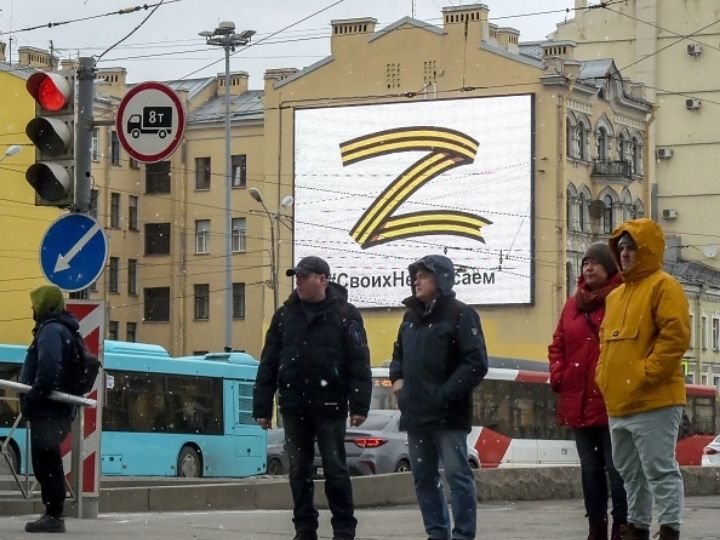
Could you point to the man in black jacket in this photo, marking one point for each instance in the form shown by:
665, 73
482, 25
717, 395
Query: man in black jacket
439, 357
49, 420
316, 356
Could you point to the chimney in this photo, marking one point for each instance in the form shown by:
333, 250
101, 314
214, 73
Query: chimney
346, 31
564, 50
471, 19
36, 58
238, 83
508, 38
111, 81
275, 75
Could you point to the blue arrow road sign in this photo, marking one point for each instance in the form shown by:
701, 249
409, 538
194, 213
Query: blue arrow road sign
73, 252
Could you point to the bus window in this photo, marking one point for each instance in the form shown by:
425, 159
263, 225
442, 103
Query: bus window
245, 403
701, 412
9, 404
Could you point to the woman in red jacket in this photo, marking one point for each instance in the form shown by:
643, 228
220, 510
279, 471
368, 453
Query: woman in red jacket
573, 355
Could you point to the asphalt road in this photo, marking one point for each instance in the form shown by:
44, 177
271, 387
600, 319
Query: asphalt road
556, 519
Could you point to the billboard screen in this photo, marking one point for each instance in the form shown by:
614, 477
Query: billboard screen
379, 186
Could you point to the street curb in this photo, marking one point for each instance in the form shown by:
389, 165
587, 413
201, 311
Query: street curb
368, 491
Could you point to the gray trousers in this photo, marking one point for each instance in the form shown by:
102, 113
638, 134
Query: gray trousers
643, 450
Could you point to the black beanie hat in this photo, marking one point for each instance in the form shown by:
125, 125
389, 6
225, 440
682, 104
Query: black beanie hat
600, 251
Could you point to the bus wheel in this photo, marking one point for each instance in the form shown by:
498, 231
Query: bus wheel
402, 466
189, 463
275, 467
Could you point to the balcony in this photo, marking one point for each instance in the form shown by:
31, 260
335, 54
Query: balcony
611, 171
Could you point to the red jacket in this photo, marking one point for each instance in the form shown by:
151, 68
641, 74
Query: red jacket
573, 356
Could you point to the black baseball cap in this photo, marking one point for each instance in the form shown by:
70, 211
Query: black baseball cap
309, 265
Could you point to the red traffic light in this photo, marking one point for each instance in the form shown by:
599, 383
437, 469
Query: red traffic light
51, 91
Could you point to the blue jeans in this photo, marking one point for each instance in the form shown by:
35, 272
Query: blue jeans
644, 454
595, 451
301, 431
426, 449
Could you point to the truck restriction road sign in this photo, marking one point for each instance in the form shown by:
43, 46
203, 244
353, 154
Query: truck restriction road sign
150, 122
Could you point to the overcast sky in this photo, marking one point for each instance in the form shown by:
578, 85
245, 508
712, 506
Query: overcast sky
173, 30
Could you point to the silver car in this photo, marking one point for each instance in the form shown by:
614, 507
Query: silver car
277, 459
711, 454
378, 446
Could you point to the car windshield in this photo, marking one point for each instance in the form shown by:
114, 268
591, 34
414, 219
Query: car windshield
375, 422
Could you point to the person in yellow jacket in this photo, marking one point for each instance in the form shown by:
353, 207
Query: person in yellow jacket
645, 332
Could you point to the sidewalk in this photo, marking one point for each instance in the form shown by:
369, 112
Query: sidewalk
555, 519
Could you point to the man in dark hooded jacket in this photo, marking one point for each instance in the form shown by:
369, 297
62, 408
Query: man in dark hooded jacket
49, 420
439, 357
316, 356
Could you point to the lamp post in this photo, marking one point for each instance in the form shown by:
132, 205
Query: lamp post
274, 218
224, 36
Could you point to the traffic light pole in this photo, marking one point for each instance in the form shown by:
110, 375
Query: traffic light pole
83, 133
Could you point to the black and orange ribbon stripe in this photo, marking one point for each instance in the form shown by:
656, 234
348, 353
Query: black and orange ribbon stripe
447, 149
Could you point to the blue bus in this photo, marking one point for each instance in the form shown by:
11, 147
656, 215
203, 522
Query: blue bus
186, 416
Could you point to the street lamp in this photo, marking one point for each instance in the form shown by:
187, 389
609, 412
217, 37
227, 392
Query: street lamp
284, 203
224, 36
11, 151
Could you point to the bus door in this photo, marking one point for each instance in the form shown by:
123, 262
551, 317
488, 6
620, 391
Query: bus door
250, 439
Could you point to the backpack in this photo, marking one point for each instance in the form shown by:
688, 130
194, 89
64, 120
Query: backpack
81, 368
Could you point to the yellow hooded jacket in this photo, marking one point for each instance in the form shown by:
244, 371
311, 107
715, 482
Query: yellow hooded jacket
646, 330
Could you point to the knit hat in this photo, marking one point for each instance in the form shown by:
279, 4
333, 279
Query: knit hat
600, 251
47, 298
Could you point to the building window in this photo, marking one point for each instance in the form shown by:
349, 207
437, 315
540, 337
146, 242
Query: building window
238, 301
202, 173
692, 331
602, 144
238, 234
637, 156
608, 217
133, 213
429, 72
113, 277
392, 75
202, 236
114, 148
95, 145
80, 295
581, 138
114, 210
157, 304
582, 224
94, 203
157, 177
239, 171
157, 239
570, 285
704, 332
132, 277
715, 334
133, 163
202, 302
131, 332
113, 330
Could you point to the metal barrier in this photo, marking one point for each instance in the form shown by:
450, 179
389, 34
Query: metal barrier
23, 483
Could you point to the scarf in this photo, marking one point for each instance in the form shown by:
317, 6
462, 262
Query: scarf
588, 300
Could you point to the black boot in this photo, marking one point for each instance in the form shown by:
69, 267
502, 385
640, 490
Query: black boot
634, 533
598, 528
46, 524
618, 529
668, 533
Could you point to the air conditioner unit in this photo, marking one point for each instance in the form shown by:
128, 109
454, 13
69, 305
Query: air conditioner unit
664, 153
693, 103
694, 49
670, 213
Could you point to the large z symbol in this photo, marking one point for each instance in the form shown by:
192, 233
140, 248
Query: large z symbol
447, 149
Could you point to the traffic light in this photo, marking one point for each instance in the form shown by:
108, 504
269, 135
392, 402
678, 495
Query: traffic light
52, 131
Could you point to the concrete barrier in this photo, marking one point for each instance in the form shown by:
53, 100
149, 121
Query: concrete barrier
369, 491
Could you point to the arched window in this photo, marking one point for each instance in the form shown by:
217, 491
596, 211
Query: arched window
638, 209
570, 285
608, 214
637, 156
570, 206
582, 221
581, 141
622, 146
602, 144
